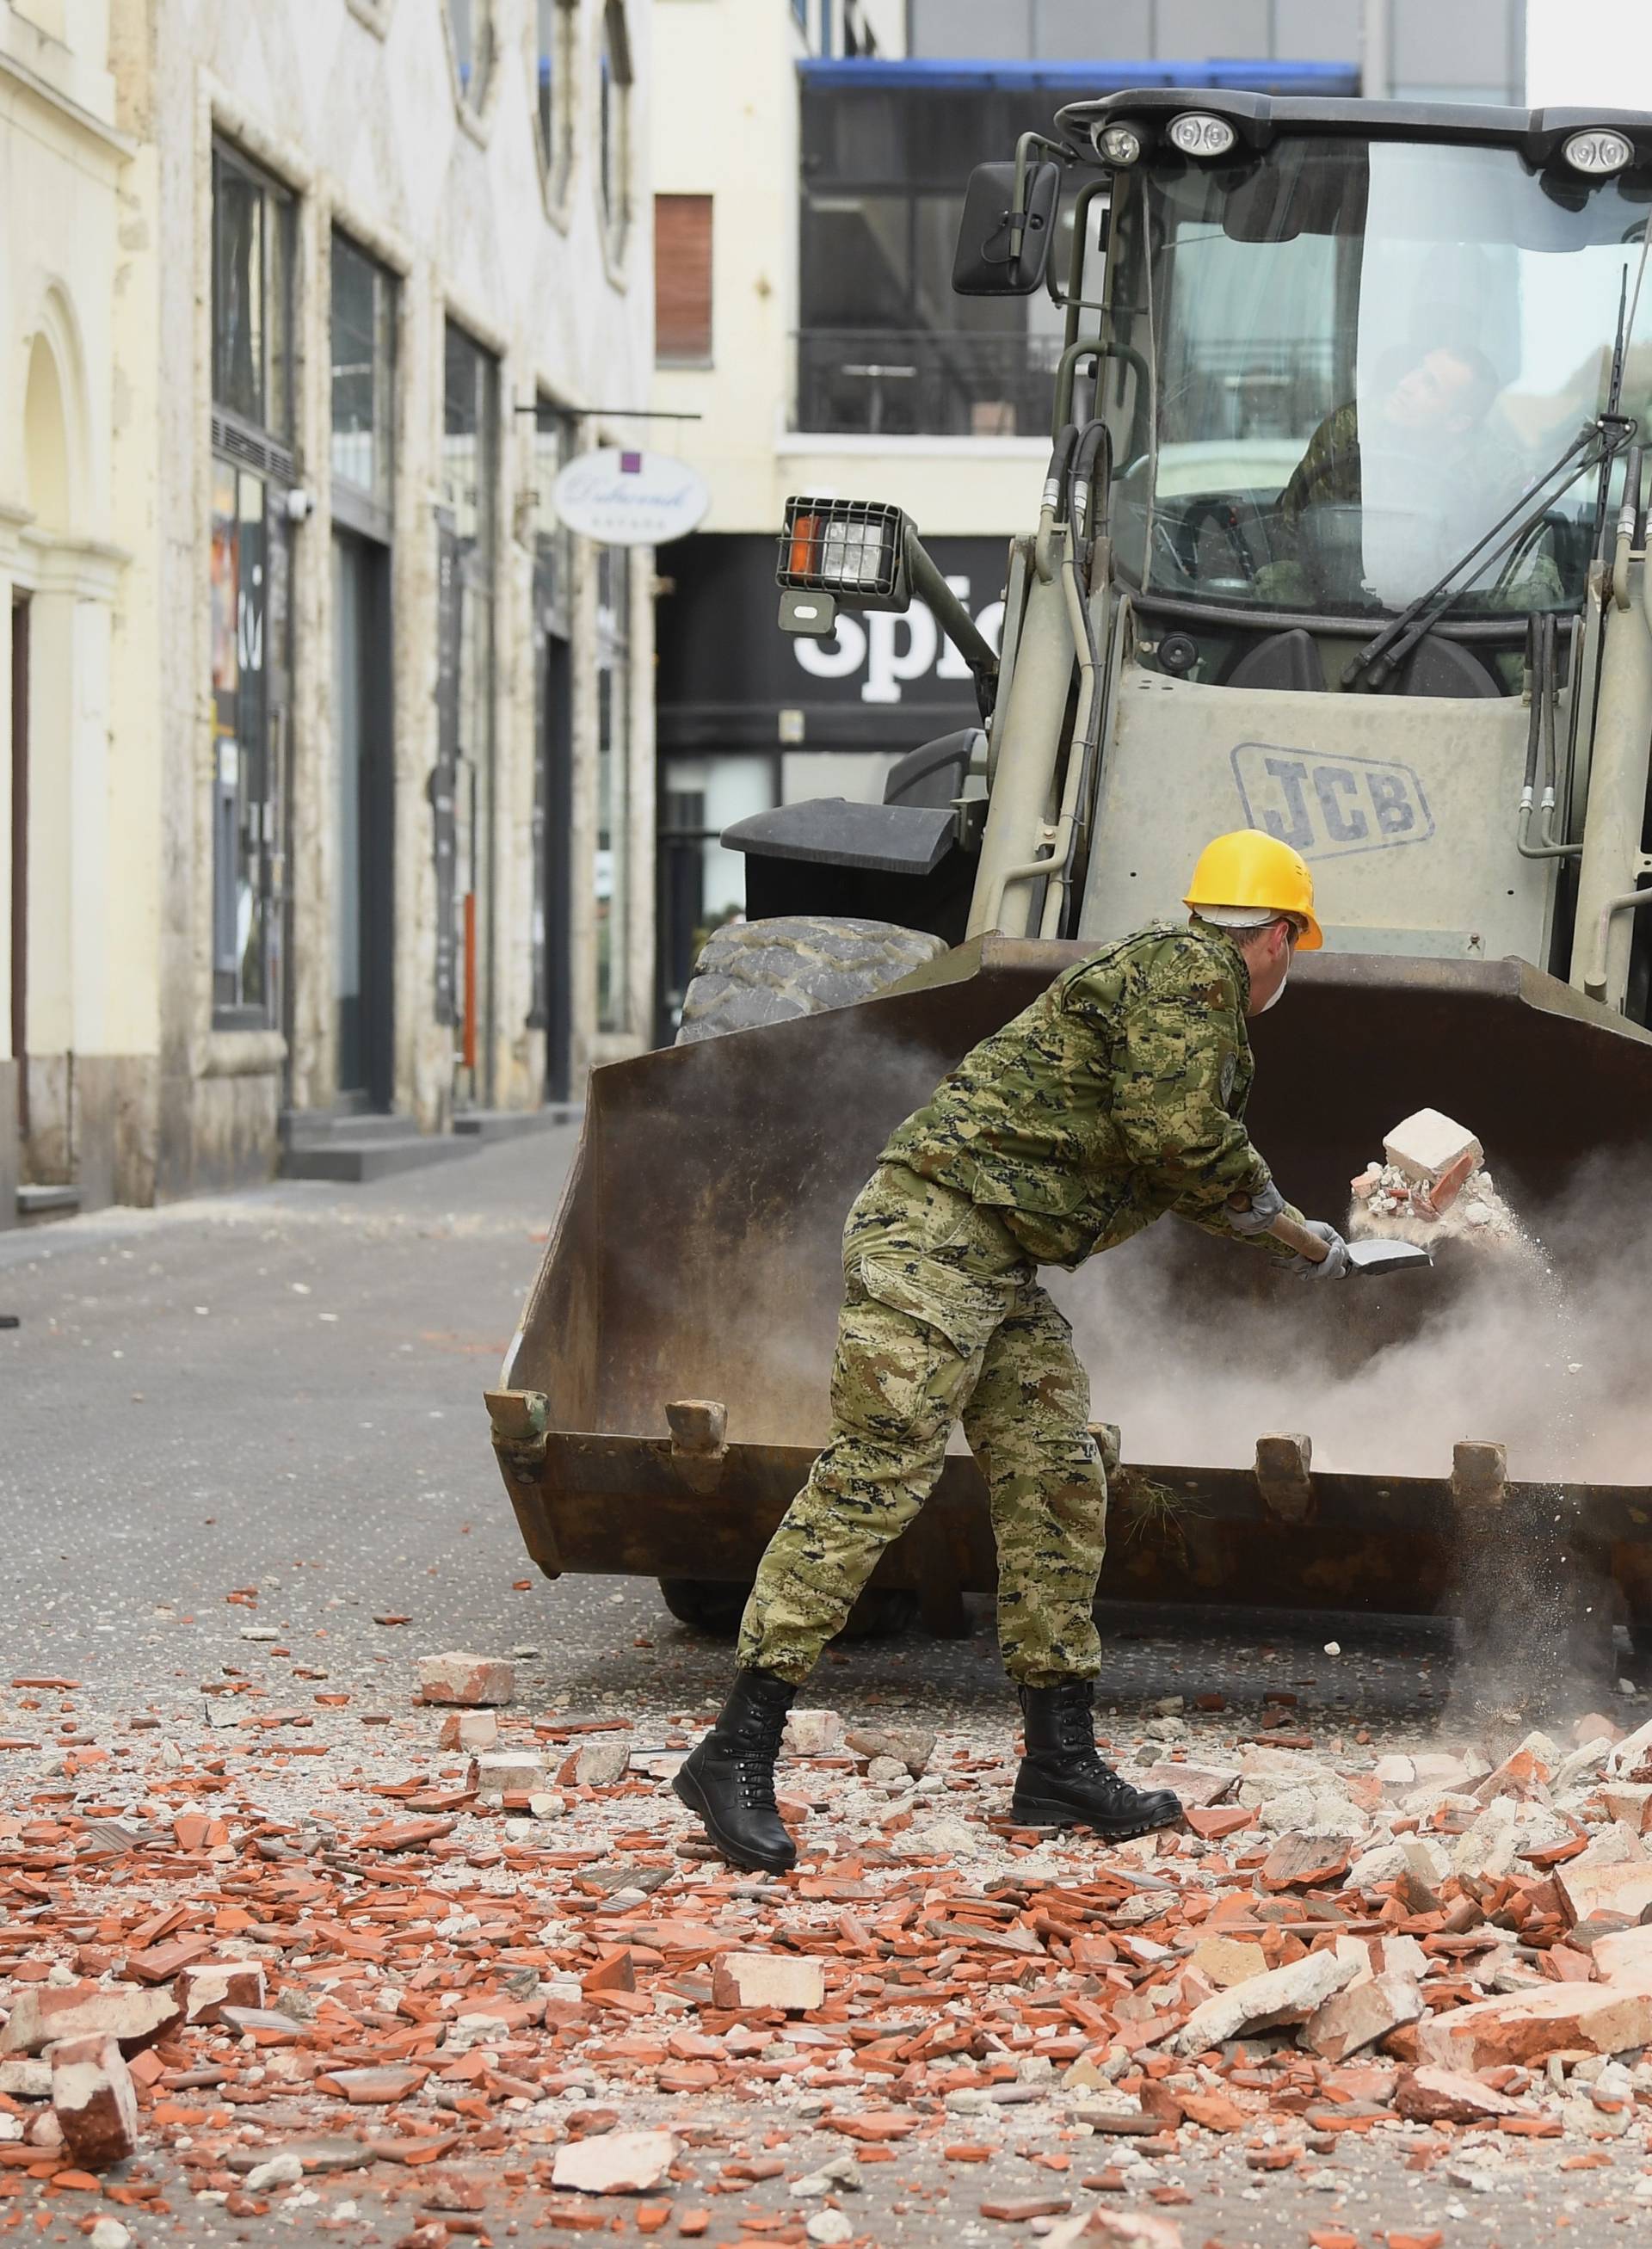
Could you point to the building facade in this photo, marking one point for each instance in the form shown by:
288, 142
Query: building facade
376, 828
812, 196
76, 1011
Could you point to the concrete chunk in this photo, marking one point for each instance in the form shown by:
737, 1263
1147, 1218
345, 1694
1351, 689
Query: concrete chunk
1350, 2020
1429, 2096
615, 2163
469, 1730
1624, 1956
1283, 1995
1428, 1143
206, 1985
516, 1772
1225, 1961
814, 1733
601, 1761
43, 2013
1587, 1890
768, 1979
94, 2102
912, 1746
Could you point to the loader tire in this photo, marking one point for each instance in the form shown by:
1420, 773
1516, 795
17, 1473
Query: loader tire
714, 1606
752, 972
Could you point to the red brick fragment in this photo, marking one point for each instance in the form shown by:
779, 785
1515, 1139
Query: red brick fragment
94, 2102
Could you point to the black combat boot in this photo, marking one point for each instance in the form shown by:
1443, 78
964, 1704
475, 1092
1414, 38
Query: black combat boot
729, 1779
1063, 1781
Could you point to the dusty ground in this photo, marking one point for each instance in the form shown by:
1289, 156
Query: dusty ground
276, 1399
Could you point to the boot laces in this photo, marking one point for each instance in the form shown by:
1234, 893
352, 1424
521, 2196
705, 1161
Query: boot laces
752, 1752
1075, 1740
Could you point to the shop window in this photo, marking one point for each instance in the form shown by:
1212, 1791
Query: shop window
363, 326
614, 127
248, 672
252, 360
557, 24
613, 897
682, 280
470, 28
463, 793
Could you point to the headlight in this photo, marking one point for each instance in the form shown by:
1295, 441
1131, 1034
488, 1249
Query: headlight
1118, 144
855, 550
1197, 133
1598, 152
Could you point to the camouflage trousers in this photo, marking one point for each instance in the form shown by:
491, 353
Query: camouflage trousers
943, 1315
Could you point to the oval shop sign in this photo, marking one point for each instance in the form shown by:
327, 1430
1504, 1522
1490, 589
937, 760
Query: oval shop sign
630, 499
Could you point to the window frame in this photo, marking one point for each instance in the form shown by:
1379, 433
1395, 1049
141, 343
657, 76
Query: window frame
614, 80
557, 163
275, 195
475, 108
361, 507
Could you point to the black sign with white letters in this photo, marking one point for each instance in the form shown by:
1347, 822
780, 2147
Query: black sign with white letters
729, 678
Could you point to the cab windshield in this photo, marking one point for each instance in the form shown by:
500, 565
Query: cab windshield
1330, 369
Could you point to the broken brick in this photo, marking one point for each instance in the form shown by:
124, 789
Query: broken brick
470, 1679
615, 2163
768, 1979
94, 2102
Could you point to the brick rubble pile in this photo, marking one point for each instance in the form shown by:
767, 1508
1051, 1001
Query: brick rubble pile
522, 1956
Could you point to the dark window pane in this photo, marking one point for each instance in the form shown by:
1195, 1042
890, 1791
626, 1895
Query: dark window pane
363, 370
237, 293
252, 297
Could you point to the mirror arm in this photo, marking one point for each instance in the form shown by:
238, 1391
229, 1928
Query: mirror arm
1029, 141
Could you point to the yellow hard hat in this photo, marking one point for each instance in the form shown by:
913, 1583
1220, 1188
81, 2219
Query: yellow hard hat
1250, 869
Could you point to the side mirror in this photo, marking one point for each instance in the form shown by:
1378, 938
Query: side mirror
1000, 255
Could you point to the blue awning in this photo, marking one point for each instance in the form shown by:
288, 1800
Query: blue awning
1076, 81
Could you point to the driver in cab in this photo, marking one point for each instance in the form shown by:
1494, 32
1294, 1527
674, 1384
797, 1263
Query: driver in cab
1418, 463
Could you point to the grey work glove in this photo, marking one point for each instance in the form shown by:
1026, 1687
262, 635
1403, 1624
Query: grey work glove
1265, 1208
1333, 1267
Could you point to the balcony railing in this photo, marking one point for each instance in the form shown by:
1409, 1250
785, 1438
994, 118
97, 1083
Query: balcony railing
884, 382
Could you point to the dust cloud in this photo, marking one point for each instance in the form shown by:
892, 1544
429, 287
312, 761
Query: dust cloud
1537, 1340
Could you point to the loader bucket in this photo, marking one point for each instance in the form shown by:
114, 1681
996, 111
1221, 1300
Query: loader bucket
694, 1265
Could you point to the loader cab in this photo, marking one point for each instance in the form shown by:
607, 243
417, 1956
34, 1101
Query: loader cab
1335, 344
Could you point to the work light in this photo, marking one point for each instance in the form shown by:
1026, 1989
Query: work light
853, 549
1598, 152
1118, 144
1198, 133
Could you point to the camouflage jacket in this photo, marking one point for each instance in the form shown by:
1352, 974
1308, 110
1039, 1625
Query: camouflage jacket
1329, 471
1119, 1094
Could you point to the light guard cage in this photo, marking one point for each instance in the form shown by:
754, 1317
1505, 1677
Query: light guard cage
854, 550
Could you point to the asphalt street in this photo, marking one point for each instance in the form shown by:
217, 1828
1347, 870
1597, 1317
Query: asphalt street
282, 1391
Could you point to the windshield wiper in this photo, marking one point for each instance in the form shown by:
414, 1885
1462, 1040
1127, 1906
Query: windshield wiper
1375, 664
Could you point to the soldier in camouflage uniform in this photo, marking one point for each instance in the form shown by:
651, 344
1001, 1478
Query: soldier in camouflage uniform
1428, 427
1117, 1096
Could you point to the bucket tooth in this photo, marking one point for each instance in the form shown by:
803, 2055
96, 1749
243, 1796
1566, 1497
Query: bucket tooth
699, 1439
1479, 1473
1285, 1478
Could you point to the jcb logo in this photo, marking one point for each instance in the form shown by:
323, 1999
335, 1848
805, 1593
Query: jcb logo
1330, 807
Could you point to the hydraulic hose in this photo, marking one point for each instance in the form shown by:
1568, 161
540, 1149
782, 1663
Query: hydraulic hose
1051, 510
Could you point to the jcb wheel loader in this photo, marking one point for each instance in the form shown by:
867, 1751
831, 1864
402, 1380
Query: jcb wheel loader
1342, 538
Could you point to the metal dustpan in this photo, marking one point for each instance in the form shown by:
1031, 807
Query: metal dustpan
1374, 1257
